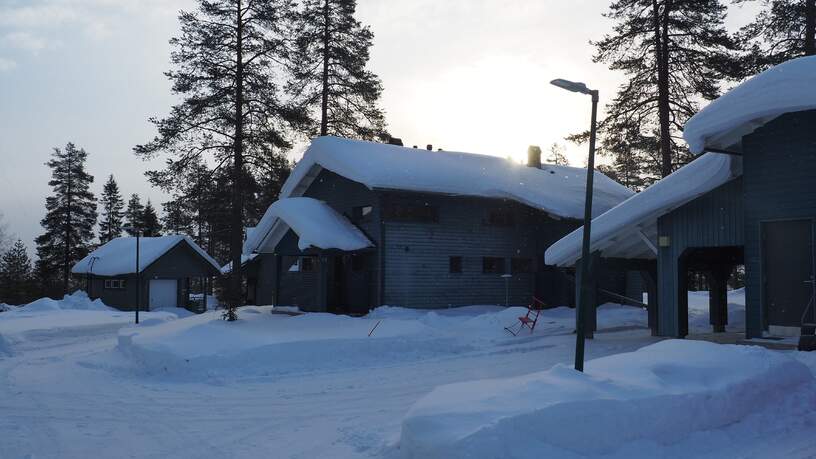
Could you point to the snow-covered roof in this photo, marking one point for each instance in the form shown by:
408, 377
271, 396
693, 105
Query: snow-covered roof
557, 190
630, 229
227, 268
785, 88
118, 256
316, 224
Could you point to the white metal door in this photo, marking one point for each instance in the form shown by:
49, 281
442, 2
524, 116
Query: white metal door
163, 293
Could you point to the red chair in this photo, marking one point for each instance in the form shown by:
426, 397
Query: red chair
528, 320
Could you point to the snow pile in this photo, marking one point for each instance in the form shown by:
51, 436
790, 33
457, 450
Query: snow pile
656, 396
7, 307
558, 190
118, 256
54, 321
318, 225
619, 232
786, 88
77, 301
264, 342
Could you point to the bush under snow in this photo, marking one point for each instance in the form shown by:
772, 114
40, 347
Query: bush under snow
657, 395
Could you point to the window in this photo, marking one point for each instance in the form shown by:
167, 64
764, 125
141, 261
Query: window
412, 212
302, 264
521, 265
455, 265
361, 214
501, 217
307, 264
492, 265
114, 284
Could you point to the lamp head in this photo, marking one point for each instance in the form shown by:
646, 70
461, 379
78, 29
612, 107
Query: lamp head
571, 86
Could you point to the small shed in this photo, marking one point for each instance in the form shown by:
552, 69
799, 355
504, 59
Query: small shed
171, 268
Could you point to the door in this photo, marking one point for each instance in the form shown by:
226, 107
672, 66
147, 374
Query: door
787, 268
163, 293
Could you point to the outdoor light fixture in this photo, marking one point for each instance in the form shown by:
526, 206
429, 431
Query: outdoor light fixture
571, 86
134, 230
583, 293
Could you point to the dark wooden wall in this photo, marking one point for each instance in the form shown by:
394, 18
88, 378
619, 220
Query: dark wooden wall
779, 184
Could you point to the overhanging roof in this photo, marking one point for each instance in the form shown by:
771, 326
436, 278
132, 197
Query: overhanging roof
629, 230
316, 224
785, 88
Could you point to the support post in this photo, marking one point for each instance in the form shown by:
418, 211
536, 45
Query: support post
718, 298
650, 279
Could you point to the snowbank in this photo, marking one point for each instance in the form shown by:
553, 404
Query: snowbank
52, 321
266, 341
263, 343
658, 395
77, 301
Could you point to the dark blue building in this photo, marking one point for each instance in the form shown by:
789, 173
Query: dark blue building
362, 224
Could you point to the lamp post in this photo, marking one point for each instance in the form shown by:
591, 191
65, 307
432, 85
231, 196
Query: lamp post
583, 293
133, 230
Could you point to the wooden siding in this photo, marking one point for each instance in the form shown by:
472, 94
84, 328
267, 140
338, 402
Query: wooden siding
780, 184
300, 289
712, 220
417, 254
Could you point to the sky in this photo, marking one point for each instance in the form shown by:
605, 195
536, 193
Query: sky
464, 75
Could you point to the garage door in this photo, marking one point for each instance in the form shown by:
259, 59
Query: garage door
787, 267
163, 293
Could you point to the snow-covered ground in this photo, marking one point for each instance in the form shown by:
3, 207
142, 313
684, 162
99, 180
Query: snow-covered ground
80, 383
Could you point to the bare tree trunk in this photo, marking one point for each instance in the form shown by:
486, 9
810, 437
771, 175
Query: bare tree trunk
237, 226
324, 109
810, 27
661, 24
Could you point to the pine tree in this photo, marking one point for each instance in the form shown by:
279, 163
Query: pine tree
15, 275
133, 215
177, 218
783, 30
112, 204
557, 155
674, 53
149, 221
330, 76
70, 218
228, 76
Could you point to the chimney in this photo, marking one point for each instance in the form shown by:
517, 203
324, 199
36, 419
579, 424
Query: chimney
429, 147
395, 141
534, 156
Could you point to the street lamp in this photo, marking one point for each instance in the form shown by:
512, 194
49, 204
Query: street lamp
133, 230
583, 292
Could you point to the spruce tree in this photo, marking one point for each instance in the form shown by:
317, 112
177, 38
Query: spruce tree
5, 239
330, 76
783, 30
112, 204
228, 75
15, 275
70, 217
149, 221
133, 215
673, 53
